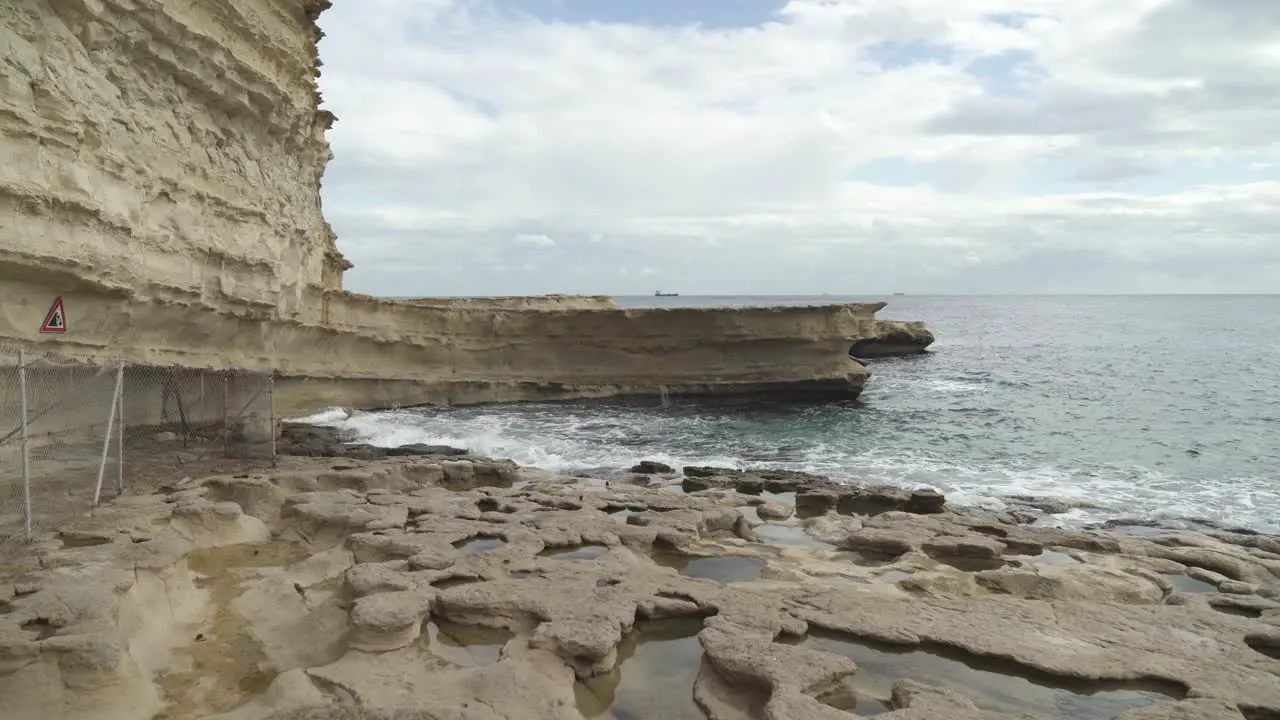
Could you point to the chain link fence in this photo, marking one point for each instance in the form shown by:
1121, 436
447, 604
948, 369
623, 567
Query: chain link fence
75, 432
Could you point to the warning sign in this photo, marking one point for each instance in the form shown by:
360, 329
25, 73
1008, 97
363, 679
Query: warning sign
56, 320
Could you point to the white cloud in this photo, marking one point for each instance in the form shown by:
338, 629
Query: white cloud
536, 241
789, 158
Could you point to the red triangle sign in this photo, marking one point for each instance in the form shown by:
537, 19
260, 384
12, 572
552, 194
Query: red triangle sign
56, 320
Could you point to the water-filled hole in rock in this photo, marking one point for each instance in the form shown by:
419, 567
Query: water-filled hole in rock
850, 700
970, 564
465, 645
581, 552
722, 568
479, 544
1048, 557
228, 665
658, 662
991, 683
788, 535
1188, 584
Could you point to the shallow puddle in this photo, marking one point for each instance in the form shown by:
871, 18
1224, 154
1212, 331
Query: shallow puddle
218, 560
1188, 584
970, 564
1048, 557
465, 645
582, 552
225, 662
791, 535
786, 498
658, 663
855, 703
722, 568
992, 684
479, 544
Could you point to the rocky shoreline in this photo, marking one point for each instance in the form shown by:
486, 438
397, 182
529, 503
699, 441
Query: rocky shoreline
426, 583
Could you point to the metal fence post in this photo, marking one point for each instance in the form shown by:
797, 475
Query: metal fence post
120, 431
26, 462
226, 413
271, 398
106, 439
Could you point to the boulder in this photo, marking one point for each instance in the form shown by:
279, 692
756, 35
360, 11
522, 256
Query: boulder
926, 502
649, 467
773, 511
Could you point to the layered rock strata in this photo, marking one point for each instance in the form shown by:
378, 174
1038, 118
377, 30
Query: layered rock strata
439, 586
161, 174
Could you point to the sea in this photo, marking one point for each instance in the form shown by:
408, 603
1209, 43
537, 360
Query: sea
1151, 408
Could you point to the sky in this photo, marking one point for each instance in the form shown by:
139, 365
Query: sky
505, 147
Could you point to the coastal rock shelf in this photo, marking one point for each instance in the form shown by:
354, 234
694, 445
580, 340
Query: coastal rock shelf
161, 174
337, 587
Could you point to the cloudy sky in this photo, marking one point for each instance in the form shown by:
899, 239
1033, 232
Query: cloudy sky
804, 147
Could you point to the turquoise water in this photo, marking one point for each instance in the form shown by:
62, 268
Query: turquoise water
1148, 406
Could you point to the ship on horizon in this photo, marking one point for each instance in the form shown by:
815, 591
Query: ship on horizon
659, 293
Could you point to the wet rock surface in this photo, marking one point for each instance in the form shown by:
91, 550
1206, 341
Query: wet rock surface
442, 586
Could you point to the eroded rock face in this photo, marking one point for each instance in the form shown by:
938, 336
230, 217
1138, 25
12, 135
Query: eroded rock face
336, 612
893, 337
217, 111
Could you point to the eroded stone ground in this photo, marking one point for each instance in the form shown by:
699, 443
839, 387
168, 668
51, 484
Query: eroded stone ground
436, 587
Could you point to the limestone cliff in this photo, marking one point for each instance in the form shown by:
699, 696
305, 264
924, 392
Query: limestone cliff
161, 173
165, 149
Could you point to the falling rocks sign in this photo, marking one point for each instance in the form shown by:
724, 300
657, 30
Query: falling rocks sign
56, 320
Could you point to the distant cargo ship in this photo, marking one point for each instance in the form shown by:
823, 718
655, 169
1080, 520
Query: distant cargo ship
659, 293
